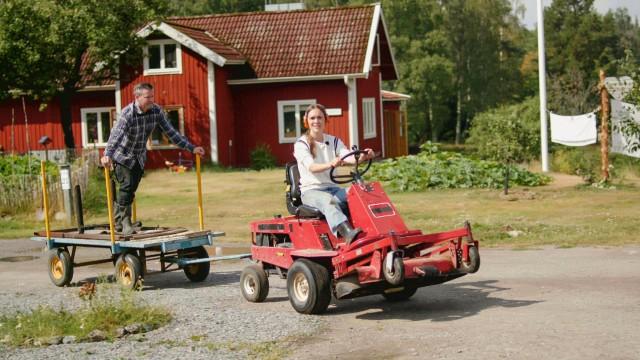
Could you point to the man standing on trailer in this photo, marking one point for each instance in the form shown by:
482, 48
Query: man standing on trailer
126, 150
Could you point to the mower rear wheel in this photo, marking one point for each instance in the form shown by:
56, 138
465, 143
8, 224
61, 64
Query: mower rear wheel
196, 272
254, 283
473, 264
402, 295
60, 267
309, 287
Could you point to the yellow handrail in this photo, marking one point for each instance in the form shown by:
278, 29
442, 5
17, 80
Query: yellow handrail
200, 210
107, 181
45, 200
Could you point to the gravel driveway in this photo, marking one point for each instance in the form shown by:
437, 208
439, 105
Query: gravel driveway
581, 303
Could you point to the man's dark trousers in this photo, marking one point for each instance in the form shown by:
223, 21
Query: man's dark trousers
129, 179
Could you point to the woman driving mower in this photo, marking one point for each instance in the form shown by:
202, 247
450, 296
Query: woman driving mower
317, 153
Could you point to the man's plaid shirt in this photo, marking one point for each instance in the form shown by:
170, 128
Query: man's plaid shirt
128, 139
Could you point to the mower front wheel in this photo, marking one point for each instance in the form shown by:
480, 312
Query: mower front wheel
473, 264
401, 295
309, 287
254, 283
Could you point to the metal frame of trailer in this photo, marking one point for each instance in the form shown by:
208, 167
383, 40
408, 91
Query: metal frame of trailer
175, 249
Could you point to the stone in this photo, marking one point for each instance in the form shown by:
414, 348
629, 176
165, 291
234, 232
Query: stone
147, 327
133, 328
121, 332
70, 339
53, 340
6, 339
96, 335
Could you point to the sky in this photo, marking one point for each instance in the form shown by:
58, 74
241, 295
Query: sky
602, 6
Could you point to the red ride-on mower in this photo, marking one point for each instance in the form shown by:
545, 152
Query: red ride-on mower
386, 258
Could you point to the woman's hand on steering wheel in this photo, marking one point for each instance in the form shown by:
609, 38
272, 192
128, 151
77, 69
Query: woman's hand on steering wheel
356, 174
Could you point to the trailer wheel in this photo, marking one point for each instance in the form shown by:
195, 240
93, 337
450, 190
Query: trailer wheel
396, 275
474, 261
402, 295
254, 283
129, 271
60, 267
309, 287
196, 272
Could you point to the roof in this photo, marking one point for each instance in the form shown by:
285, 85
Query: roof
283, 44
393, 96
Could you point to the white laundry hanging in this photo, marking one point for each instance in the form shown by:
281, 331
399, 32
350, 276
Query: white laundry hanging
621, 111
578, 130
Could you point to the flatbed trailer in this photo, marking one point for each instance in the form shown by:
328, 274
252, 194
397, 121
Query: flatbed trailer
175, 249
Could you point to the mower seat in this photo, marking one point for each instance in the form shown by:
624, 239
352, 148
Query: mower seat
294, 198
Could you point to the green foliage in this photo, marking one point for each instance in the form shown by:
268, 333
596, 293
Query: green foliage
262, 157
23, 165
586, 162
509, 133
94, 200
582, 161
106, 312
440, 170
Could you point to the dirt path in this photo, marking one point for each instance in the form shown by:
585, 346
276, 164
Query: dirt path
581, 303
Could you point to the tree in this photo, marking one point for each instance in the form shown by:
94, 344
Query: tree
53, 48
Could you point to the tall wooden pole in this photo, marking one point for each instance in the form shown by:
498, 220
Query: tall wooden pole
604, 127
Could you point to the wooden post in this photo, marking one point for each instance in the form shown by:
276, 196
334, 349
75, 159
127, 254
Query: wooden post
604, 128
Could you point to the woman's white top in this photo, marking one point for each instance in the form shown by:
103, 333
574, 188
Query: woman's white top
326, 151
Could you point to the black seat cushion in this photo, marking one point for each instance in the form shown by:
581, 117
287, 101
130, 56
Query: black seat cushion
294, 198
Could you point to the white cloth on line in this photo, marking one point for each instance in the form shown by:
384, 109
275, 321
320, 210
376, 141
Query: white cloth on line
621, 111
578, 130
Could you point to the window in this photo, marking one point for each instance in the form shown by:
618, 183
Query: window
96, 126
291, 119
369, 117
175, 116
162, 57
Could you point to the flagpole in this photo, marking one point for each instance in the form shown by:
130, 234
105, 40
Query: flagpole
544, 158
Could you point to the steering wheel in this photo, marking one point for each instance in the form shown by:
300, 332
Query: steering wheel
353, 175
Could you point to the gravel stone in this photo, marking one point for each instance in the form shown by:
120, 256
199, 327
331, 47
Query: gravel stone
211, 319
70, 339
133, 328
96, 335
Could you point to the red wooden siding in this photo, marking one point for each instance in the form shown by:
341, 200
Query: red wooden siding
225, 118
256, 114
188, 90
369, 88
46, 122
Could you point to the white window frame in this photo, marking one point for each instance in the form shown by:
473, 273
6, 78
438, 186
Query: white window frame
83, 125
369, 118
163, 70
297, 103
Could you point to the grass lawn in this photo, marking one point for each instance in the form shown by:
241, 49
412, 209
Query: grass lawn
561, 214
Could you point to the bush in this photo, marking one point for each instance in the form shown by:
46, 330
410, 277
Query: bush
262, 157
509, 133
434, 169
586, 162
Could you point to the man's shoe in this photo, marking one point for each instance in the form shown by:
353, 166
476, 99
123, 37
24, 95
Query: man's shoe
347, 232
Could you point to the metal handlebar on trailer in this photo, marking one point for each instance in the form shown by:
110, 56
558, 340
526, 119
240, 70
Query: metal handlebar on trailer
200, 209
107, 181
45, 199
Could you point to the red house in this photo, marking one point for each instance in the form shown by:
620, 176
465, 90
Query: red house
232, 82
